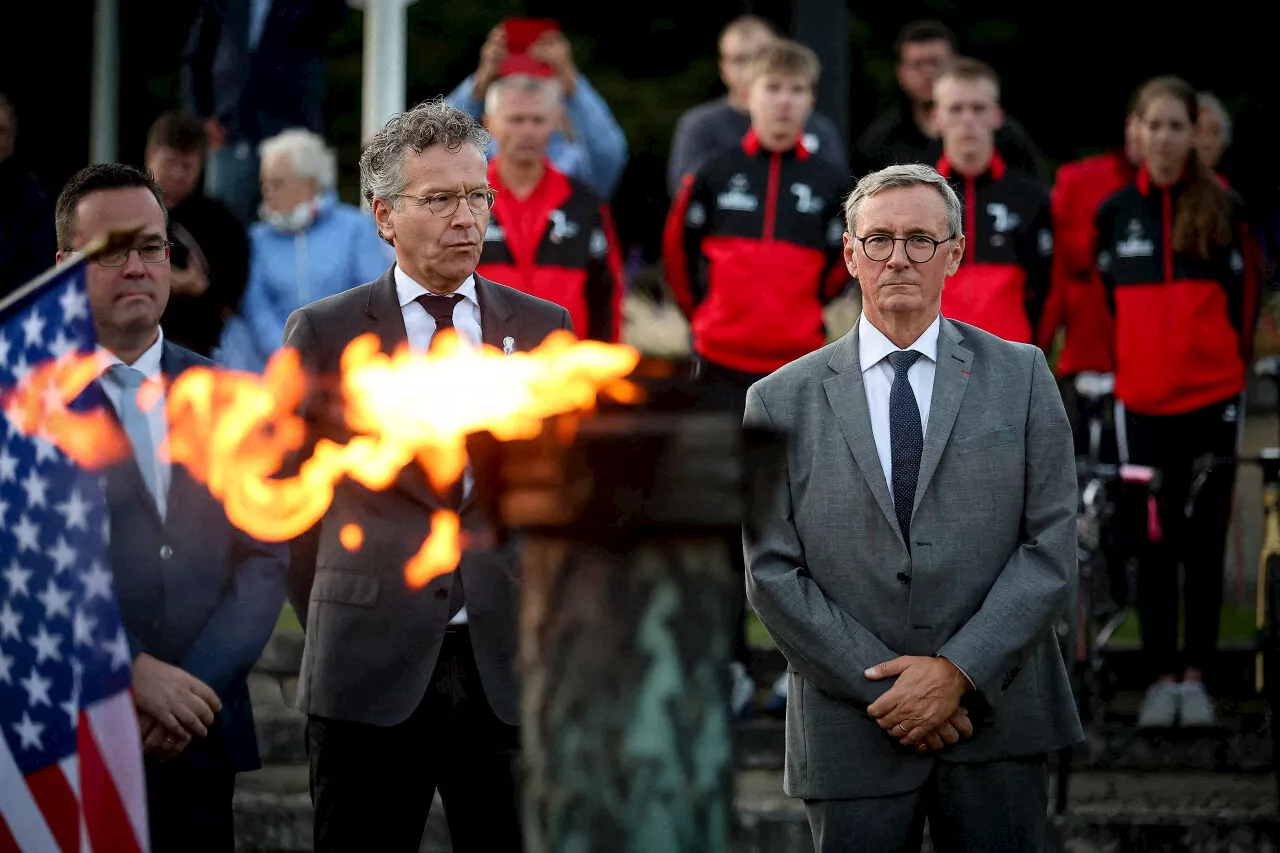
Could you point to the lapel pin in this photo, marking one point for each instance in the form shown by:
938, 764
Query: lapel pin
508, 345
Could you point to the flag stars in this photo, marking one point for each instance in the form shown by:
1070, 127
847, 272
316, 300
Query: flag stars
72, 708
8, 466
29, 732
33, 329
62, 555
37, 489
61, 346
5, 346
37, 688
15, 578
56, 601
97, 582
74, 511
74, 304
118, 648
82, 628
27, 534
6, 669
10, 622
46, 646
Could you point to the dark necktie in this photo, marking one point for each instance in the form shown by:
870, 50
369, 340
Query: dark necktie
906, 440
441, 310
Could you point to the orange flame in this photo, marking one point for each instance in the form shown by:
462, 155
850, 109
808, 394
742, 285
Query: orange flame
351, 536
234, 430
38, 406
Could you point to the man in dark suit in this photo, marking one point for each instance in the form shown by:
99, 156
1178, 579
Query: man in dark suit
921, 550
252, 68
199, 598
412, 690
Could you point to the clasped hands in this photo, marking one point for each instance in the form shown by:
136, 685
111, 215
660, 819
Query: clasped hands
922, 708
173, 706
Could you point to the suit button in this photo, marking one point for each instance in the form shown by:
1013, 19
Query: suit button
904, 578
165, 552
441, 592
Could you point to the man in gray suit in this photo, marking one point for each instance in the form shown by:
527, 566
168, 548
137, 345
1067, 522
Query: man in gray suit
921, 546
411, 690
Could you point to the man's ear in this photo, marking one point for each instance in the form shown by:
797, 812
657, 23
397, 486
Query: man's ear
850, 255
955, 254
382, 217
997, 120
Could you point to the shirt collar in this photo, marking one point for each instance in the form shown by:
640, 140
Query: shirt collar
407, 290
873, 346
148, 364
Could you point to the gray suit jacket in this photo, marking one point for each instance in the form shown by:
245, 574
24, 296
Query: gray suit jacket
992, 561
372, 642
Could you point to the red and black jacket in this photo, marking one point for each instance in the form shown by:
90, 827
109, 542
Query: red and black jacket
1004, 278
1077, 302
558, 244
1182, 324
753, 250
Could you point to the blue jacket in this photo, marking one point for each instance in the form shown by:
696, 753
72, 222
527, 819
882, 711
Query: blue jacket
596, 156
194, 591
340, 250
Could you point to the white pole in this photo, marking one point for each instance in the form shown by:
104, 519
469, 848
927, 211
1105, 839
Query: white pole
383, 85
105, 109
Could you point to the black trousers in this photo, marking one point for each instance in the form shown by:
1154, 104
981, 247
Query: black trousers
996, 806
1172, 443
1081, 413
726, 389
372, 786
189, 808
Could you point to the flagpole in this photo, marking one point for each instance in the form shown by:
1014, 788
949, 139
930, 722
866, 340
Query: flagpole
110, 242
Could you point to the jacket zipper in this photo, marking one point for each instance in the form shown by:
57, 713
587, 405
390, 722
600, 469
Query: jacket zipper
1166, 204
771, 195
970, 220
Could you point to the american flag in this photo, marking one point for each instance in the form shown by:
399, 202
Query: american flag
71, 775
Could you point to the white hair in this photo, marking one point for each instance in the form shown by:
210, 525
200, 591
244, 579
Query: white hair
903, 177
549, 87
310, 157
1209, 101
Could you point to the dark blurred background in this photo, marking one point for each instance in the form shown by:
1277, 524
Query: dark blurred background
1067, 72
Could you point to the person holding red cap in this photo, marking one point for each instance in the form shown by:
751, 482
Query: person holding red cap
591, 145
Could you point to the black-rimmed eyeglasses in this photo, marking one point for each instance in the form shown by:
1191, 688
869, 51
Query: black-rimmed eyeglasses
479, 202
920, 247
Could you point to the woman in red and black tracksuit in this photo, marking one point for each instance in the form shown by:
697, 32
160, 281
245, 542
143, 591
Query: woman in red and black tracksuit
1171, 255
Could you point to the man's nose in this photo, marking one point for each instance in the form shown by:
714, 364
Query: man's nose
898, 260
462, 217
134, 267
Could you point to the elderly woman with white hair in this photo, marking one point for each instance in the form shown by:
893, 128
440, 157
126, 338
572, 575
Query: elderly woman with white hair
306, 245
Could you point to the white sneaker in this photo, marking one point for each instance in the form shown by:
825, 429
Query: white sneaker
1160, 706
1196, 709
742, 692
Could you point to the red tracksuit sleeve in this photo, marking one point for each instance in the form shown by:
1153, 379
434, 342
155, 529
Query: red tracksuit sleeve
682, 244
605, 281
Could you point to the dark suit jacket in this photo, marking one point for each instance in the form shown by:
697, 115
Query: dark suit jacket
372, 642
257, 94
194, 591
991, 567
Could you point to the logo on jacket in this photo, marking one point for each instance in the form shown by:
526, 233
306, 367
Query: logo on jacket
696, 215
495, 234
1236, 261
1002, 218
561, 227
811, 142
737, 197
598, 244
1044, 242
1136, 245
806, 201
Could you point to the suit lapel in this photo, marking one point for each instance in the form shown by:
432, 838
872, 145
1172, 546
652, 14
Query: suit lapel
848, 398
950, 379
382, 314
495, 316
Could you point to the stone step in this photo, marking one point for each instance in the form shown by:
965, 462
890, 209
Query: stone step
281, 734
283, 654
1194, 812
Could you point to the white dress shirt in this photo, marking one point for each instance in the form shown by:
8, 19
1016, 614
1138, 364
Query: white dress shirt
148, 364
877, 379
419, 327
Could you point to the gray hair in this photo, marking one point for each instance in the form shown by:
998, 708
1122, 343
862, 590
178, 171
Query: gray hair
430, 123
310, 157
1209, 101
548, 87
902, 177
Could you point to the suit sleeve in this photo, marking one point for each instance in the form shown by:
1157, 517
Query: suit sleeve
236, 633
835, 277
1037, 581
605, 282
822, 642
1101, 254
196, 62
686, 150
1035, 250
299, 334
687, 225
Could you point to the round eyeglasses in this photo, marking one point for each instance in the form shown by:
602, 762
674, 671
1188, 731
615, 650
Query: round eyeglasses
479, 202
920, 247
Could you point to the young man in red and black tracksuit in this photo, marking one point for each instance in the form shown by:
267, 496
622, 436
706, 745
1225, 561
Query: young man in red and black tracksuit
1174, 260
753, 250
1077, 303
1004, 278
549, 235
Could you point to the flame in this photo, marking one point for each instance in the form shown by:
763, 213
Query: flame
351, 536
234, 431
38, 406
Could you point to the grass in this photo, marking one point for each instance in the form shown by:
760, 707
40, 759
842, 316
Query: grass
288, 620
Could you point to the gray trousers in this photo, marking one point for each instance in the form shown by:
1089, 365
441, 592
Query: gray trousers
998, 806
